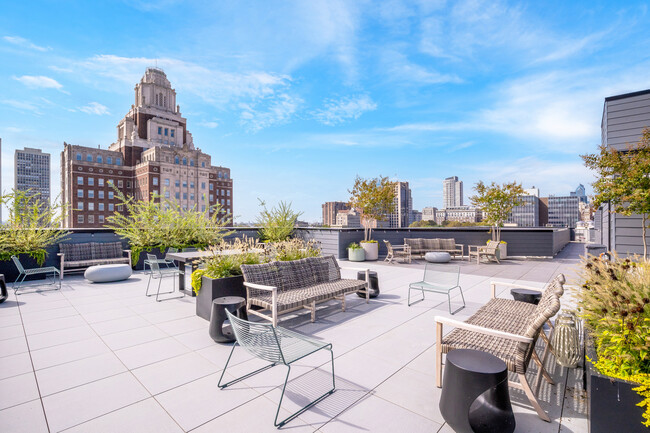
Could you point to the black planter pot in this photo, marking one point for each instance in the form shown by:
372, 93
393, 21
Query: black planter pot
216, 288
8, 268
612, 403
139, 266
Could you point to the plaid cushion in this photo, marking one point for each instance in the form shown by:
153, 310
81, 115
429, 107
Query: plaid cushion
74, 252
106, 250
431, 244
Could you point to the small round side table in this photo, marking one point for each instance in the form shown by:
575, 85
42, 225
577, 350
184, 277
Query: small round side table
374, 283
475, 396
234, 304
525, 295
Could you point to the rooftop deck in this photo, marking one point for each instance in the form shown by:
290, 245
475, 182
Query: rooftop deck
105, 358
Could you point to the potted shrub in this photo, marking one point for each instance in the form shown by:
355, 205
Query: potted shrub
278, 223
220, 274
31, 229
614, 302
374, 198
356, 253
497, 202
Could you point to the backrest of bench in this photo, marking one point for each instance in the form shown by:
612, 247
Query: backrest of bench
431, 244
442, 275
414, 243
76, 252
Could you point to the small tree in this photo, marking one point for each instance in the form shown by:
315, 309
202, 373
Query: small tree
496, 201
278, 223
375, 198
624, 180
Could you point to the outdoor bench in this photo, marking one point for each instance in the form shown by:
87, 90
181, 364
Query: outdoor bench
509, 330
420, 246
282, 287
82, 255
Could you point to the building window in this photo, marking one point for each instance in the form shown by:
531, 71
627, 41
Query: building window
80, 205
91, 206
160, 130
91, 219
178, 183
184, 196
166, 194
100, 219
166, 182
78, 157
178, 195
100, 194
172, 132
91, 193
192, 185
100, 207
202, 185
184, 161
225, 175
118, 161
120, 207
228, 201
80, 219
184, 184
192, 197
223, 192
176, 160
109, 160
166, 132
111, 206
202, 208
211, 197
120, 184
191, 163
100, 181
211, 187
228, 192
89, 158
80, 180
155, 181
80, 193
91, 181
203, 164
99, 159
128, 184
110, 195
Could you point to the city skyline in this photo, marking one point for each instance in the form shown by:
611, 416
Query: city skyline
297, 98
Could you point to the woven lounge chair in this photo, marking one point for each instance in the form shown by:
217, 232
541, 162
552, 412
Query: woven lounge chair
402, 252
489, 251
505, 331
278, 346
24, 273
438, 279
159, 273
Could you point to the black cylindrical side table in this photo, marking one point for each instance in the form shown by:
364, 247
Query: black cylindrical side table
3, 289
475, 395
525, 295
374, 283
234, 304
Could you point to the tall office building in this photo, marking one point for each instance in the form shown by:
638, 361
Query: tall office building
154, 154
330, 209
403, 205
452, 192
563, 211
580, 192
429, 214
32, 173
526, 213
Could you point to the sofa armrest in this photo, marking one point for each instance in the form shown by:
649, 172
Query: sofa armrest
274, 298
128, 254
494, 284
260, 287
350, 268
481, 330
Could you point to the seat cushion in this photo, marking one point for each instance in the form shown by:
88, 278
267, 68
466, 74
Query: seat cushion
74, 252
106, 250
506, 350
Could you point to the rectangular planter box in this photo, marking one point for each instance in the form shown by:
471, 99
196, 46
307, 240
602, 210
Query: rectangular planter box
215, 288
612, 403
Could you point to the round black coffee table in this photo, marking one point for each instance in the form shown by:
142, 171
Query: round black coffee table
475, 395
3, 289
234, 304
374, 283
526, 295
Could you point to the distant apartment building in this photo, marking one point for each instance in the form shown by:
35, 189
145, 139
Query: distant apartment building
563, 211
429, 213
526, 213
32, 173
331, 209
465, 214
154, 155
403, 205
452, 192
347, 219
580, 192
415, 216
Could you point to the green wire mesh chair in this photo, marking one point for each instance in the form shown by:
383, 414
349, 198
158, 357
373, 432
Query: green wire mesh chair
159, 273
438, 279
24, 273
277, 346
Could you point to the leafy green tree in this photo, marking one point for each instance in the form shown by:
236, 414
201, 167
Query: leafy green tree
374, 197
278, 223
423, 223
497, 202
624, 180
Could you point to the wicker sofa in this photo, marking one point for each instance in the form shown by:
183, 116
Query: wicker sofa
420, 246
282, 287
509, 330
75, 257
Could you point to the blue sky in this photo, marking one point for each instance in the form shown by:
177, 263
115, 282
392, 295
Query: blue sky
297, 98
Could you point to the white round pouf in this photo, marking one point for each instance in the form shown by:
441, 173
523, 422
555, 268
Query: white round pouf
108, 273
437, 257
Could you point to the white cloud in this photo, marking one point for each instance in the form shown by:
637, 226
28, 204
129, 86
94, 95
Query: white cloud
338, 111
273, 111
39, 82
210, 124
95, 108
399, 68
22, 105
25, 43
